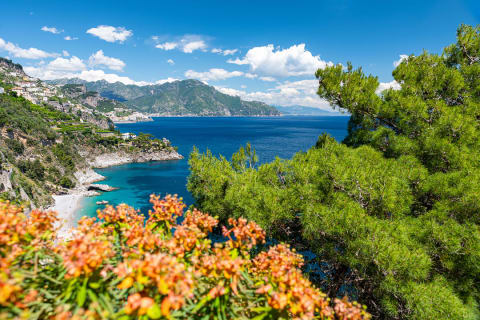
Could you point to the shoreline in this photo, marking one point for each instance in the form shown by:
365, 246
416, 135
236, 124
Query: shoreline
68, 205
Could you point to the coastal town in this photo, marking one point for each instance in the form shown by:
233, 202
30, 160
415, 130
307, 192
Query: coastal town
68, 98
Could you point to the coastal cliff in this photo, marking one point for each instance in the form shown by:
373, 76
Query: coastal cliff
121, 157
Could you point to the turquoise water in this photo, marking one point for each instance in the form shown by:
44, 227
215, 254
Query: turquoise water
270, 136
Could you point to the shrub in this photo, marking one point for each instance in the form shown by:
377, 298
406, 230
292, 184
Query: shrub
15, 145
123, 267
66, 182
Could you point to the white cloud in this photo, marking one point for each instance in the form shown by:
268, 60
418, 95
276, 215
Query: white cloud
51, 30
187, 44
224, 52
191, 46
268, 79
243, 86
162, 81
397, 62
294, 61
75, 68
301, 92
63, 64
99, 59
58, 68
167, 45
31, 53
111, 34
65, 53
229, 52
388, 85
214, 74
250, 75
170, 62
68, 38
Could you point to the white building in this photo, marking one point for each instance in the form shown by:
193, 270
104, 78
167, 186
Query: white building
128, 135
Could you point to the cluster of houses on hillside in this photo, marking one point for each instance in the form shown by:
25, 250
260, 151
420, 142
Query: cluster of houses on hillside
33, 90
122, 115
70, 98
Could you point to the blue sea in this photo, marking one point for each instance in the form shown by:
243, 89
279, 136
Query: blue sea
270, 136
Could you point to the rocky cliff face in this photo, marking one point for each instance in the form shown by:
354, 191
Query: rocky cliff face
122, 157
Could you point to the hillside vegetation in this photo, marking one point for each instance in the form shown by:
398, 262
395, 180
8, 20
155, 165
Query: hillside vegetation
41, 149
186, 97
392, 213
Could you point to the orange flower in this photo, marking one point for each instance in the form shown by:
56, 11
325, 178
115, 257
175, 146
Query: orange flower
139, 304
246, 234
84, 254
167, 209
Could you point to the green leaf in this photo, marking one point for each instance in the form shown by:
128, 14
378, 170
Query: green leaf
154, 312
92, 295
82, 293
94, 285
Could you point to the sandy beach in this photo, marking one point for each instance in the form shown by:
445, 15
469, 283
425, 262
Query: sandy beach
66, 206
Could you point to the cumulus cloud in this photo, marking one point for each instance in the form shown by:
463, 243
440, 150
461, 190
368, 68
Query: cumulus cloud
301, 92
111, 34
63, 64
388, 85
31, 53
293, 61
170, 62
99, 59
51, 30
162, 81
214, 74
269, 79
224, 52
65, 53
397, 62
76, 68
187, 44
58, 68
68, 38
167, 46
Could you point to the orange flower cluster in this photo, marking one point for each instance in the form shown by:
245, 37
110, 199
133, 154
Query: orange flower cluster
204, 222
87, 251
222, 265
165, 210
170, 278
121, 266
20, 235
16, 229
285, 286
246, 234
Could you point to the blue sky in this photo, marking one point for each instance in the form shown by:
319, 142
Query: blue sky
260, 50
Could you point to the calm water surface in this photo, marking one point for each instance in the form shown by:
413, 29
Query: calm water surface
270, 136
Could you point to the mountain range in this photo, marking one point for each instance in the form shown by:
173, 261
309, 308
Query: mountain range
306, 111
178, 98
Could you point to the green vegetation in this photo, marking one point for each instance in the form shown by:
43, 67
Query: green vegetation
392, 212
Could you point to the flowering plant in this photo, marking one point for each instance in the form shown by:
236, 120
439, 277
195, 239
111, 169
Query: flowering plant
121, 266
